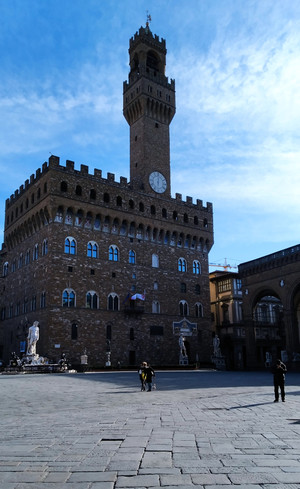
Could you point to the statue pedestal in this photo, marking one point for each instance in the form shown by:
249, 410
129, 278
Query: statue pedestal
84, 359
108, 362
183, 359
220, 362
33, 360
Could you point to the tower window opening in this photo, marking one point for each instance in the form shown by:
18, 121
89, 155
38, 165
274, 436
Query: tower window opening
152, 61
78, 190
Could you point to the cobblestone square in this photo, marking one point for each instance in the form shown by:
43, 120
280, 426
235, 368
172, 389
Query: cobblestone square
199, 429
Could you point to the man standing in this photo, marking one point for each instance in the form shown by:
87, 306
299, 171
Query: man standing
149, 372
279, 371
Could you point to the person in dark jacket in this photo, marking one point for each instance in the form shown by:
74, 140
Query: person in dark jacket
149, 372
279, 371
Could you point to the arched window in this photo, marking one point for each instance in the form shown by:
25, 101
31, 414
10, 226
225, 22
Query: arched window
64, 187
155, 261
155, 307
70, 246
92, 300
43, 300
20, 263
131, 204
196, 220
14, 265
45, 247
27, 257
35, 252
78, 190
205, 223
183, 308
92, 249
175, 215
106, 198
113, 302
155, 286
197, 289
141, 207
196, 267
182, 265
33, 303
131, 334
93, 194
113, 253
5, 269
153, 210
198, 310
132, 257
68, 298
164, 213
185, 217
74, 331
119, 201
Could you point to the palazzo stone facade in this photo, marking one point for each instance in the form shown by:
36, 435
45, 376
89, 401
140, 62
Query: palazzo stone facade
114, 269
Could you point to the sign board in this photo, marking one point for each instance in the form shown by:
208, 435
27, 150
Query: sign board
184, 327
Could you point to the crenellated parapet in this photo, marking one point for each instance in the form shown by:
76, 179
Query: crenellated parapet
95, 177
145, 35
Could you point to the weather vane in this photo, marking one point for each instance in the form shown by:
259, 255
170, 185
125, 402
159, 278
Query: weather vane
148, 19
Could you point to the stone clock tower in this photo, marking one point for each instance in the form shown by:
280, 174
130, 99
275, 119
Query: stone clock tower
149, 107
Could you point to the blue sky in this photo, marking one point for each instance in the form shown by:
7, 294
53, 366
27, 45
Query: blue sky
235, 139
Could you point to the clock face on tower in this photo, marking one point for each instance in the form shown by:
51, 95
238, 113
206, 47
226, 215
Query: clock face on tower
157, 182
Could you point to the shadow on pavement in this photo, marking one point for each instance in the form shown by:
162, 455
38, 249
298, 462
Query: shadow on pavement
190, 379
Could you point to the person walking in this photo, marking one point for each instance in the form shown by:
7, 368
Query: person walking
279, 371
149, 372
142, 375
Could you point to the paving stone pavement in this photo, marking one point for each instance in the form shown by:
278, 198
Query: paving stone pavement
197, 430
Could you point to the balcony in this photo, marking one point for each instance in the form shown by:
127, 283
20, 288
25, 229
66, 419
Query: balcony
133, 310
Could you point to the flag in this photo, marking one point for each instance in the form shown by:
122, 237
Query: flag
142, 297
126, 298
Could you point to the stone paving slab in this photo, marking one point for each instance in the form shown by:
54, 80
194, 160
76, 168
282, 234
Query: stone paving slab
199, 430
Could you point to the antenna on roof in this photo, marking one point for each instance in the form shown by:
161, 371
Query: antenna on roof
148, 19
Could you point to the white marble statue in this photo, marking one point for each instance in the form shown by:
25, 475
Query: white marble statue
216, 344
32, 338
182, 346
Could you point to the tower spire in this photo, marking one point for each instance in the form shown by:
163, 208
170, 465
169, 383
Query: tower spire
148, 19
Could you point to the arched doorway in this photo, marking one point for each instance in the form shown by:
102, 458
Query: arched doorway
269, 328
295, 308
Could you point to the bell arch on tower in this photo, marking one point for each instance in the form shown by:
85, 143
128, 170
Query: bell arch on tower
153, 61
